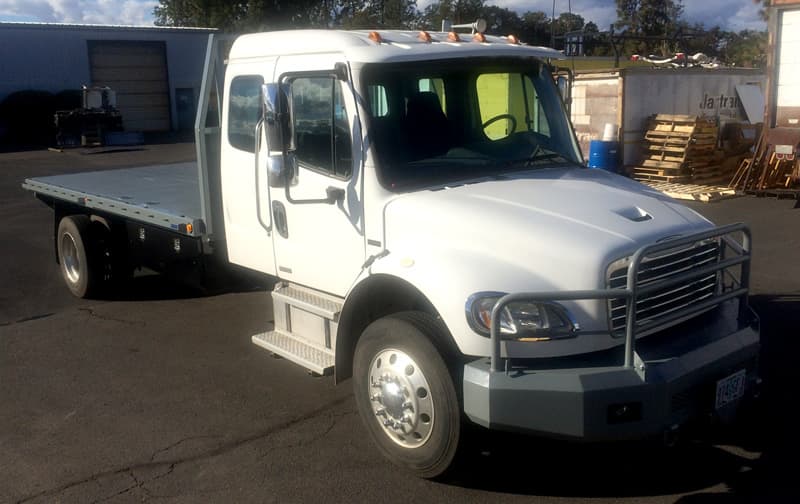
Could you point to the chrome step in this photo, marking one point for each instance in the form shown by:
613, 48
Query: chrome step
312, 357
309, 300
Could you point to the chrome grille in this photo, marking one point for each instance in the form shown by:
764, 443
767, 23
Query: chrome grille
661, 302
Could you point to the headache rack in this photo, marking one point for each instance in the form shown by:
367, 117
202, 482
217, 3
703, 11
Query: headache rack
659, 285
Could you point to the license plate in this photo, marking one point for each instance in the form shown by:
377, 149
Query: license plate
730, 388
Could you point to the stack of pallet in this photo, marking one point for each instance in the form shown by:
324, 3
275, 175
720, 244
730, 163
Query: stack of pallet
678, 149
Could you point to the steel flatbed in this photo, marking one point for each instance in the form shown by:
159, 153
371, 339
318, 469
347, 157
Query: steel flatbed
166, 196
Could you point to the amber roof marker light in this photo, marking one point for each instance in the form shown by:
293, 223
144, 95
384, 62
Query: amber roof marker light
375, 37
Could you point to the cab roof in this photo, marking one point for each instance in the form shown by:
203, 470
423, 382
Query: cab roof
393, 46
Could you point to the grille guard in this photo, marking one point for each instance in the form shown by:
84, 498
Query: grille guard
740, 255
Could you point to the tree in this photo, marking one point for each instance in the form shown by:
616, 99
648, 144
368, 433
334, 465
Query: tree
763, 12
594, 43
567, 22
699, 39
457, 11
535, 28
648, 18
252, 15
747, 48
501, 21
206, 13
392, 14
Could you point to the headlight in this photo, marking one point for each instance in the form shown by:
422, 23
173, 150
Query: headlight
521, 320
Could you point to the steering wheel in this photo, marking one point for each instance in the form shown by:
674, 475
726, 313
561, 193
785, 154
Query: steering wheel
511, 119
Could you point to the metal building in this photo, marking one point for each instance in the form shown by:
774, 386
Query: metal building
155, 71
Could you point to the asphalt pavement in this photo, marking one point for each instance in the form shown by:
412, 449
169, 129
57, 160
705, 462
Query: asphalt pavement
159, 395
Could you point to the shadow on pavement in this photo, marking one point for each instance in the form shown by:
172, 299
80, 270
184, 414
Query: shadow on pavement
755, 460
157, 287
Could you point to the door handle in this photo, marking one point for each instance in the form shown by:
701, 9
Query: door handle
335, 194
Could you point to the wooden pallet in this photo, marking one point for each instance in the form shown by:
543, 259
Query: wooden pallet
664, 172
693, 192
676, 148
651, 177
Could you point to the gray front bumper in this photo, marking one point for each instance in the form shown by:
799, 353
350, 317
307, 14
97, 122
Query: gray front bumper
584, 403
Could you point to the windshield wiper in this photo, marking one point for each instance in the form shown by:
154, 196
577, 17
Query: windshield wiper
538, 155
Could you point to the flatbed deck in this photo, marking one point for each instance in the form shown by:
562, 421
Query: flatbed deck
165, 195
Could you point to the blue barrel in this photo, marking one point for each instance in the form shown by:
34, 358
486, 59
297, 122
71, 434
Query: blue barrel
604, 155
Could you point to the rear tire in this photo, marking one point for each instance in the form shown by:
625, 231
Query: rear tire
405, 393
79, 266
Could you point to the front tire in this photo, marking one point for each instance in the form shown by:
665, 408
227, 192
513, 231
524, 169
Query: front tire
405, 393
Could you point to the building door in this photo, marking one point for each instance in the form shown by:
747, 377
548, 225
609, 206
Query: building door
137, 72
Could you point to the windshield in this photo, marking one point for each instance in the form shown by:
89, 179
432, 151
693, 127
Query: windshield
447, 121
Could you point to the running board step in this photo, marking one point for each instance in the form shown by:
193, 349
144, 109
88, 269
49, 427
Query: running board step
315, 359
309, 300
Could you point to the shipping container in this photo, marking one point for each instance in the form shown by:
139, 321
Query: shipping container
626, 98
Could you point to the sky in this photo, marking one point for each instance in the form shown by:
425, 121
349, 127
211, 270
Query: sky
733, 15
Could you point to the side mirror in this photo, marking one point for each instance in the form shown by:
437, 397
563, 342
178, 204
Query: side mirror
272, 123
277, 133
340, 71
564, 85
562, 82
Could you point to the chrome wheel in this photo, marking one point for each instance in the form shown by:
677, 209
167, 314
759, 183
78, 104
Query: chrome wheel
401, 398
70, 260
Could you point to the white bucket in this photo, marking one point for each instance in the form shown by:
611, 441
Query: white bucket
610, 132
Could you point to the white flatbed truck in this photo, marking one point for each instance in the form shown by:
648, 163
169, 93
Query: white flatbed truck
421, 200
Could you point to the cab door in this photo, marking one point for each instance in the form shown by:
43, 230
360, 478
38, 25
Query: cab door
243, 157
318, 217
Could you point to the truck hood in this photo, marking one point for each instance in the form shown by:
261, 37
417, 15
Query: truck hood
549, 230
547, 222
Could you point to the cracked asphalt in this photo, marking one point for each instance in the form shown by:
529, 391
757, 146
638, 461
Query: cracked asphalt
159, 396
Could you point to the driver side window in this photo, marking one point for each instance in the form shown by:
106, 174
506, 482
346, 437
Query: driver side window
508, 104
320, 126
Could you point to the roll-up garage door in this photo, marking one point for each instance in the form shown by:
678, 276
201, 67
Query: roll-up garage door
137, 72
